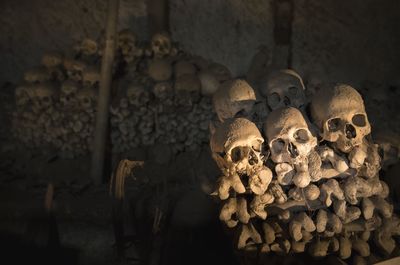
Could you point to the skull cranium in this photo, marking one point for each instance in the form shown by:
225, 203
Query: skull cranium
137, 95
284, 88
87, 98
289, 137
161, 44
44, 94
237, 142
340, 115
69, 89
234, 98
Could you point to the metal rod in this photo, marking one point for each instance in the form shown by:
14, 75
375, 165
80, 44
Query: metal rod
100, 136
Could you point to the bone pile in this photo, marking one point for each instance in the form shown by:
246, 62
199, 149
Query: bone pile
55, 103
160, 95
303, 179
164, 98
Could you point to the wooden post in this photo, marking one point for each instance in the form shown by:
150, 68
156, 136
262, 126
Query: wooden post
100, 136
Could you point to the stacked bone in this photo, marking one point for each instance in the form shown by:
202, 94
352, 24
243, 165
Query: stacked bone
165, 98
55, 104
316, 187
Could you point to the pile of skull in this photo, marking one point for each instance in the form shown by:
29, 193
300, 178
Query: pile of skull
55, 103
163, 95
313, 184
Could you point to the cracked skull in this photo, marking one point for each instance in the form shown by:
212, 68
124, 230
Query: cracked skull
284, 88
289, 137
340, 115
238, 143
234, 98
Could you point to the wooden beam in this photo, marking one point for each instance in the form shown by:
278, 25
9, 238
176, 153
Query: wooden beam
100, 137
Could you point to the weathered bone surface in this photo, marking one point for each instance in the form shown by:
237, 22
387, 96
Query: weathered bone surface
284, 88
289, 137
233, 98
339, 113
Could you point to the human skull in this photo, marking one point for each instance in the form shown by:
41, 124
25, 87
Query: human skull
163, 90
88, 47
127, 43
37, 75
221, 72
160, 70
340, 115
74, 68
187, 90
161, 44
284, 88
23, 94
234, 98
52, 59
87, 98
238, 143
43, 95
137, 95
91, 76
289, 137
69, 90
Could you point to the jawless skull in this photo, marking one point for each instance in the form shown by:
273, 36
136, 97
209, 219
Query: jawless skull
236, 145
234, 98
289, 137
87, 98
340, 115
44, 95
69, 90
284, 88
161, 44
137, 95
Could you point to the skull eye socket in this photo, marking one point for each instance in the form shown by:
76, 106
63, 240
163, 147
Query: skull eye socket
333, 124
301, 136
86, 101
46, 99
237, 154
278, 145
274, 99
293, 90
359, 120
256, 146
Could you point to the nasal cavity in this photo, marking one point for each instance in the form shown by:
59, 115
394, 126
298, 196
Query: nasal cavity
293, 150
350, 131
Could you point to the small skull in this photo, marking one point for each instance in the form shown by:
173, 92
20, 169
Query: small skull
127, 44
23, 94
69, 89
137, 95
74, 69
43, 95
88, 47
234, 98
87, 98
289, 137
52, 59
284, 88
236, 145
187, 90
221, 72
340, 115
161, 44
37, 75
163, 90
91, 76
